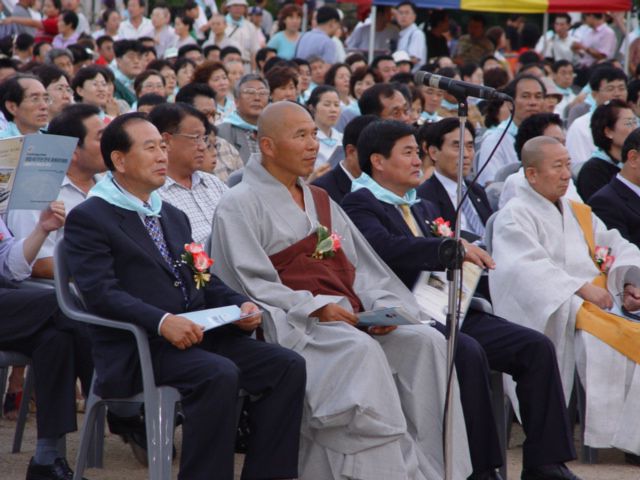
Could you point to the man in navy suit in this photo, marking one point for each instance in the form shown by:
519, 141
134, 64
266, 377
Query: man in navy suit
441, 188
123, 244
337, 182
385, 208
618, 203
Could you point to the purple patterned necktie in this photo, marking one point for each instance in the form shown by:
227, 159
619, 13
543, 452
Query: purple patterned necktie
153, 227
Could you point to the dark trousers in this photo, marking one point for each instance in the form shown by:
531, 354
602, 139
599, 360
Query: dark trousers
209, 377
489, 342
33, 325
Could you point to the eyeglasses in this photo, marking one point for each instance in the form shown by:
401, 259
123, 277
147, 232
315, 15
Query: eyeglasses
36, 99
153, 86
98, 84
631, 123
250, 92
211, 114
214, 147
60, 89
195, 138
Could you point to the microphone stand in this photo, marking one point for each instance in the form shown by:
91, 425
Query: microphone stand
452, 256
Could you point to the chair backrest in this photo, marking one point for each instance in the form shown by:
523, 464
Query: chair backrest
507, 170
493, 192
488, 233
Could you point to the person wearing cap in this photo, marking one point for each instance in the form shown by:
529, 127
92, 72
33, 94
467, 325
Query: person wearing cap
403, 61
256, 15
553, 97
412, 39
242, 32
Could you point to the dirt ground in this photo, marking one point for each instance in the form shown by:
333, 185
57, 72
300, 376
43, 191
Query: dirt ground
119, 463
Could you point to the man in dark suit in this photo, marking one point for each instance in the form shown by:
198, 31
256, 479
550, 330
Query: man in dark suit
123, 246
397, 224
337, 182
33, 325
441, 188
618, 203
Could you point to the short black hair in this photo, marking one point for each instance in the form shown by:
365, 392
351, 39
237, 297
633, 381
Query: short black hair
327, 13
355, 127
633, 91
181, 62
380, 137
140, 2
478, 18
405, 78
467, 69
533, 126
57, 4
317, 92
190, 91
38, 46
530, 56
188, 21
104, 18
369, 101
436, 132
405, 3
190, 5
121, 47
275, 62
70, 121
152, 99
530, 35
261, 55
69, 17
168, 116
23, 41
115, 137
558, 64
607, 73
512, 86
437, 16
188, 48
563, 15
84, 74
6, 62
103, 39
632, 142
79, 52
49, 74
12, 91
206, 50
380, 58
605, 115
228, 50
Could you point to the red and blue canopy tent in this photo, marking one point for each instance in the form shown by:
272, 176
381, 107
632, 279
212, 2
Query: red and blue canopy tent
517, 6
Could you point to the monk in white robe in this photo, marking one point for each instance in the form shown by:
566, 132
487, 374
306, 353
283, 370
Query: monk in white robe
543, 276
374, 404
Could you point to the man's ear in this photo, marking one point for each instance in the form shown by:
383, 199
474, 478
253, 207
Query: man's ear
351, 151
167, 136
268, 147
12, 107
530, 174
117, 158
376, 162
432, 152
633, 158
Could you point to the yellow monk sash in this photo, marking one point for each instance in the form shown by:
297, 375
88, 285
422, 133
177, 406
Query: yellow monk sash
617, 332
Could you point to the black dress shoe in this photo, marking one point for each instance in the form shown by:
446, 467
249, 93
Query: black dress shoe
554, 471
490, 475
632, 459
60, 470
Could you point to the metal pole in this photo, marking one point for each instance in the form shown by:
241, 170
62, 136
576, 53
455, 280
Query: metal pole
372, 32
305, 16
626, 45
545, 28
452, 323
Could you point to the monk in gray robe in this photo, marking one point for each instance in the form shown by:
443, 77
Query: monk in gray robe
375, 400
548, 277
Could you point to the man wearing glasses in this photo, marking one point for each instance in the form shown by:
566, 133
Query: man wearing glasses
240, 129
194, 192
25, 104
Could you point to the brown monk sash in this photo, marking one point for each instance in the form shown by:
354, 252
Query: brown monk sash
615, 331
298, 270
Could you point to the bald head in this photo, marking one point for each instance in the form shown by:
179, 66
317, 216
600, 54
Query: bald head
275, 119
533, 153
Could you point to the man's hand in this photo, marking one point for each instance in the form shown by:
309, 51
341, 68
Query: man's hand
318, 172
252, 322
477, 255
631, 298
181, 331
333, 312
382, 330
596, 295
52, 219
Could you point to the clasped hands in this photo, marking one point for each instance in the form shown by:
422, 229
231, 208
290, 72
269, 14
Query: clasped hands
332, 312
602, 299
183, 333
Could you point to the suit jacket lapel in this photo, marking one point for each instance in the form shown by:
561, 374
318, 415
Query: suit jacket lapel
633, 200
447, 209
396, 218
422, 221
343, 181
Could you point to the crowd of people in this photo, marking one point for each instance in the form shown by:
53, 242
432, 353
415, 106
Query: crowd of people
316, 180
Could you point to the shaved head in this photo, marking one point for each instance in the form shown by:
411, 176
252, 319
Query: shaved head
532, 152
272, 122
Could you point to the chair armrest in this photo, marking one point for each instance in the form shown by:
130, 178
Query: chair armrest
36, 283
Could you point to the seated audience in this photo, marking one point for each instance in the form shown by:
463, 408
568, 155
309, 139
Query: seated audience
215, 75
324, 105
283, 83
90, 86
24, 103
56, 82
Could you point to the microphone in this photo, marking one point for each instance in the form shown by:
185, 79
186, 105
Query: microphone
458, 88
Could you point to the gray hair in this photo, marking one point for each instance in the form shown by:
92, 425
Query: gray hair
54, 53
249, 77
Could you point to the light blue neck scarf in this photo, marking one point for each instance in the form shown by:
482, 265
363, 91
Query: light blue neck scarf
227, 104
602, 155
107, 190
513, 129
11, 131
237, 121
448, 105
430, 117
591, 102
329, 142
230, 20
127, 82
564, 91
355, 107
381, 193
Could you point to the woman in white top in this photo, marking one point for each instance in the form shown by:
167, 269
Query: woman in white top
339, 76
324, 105
215, 74
183, 25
